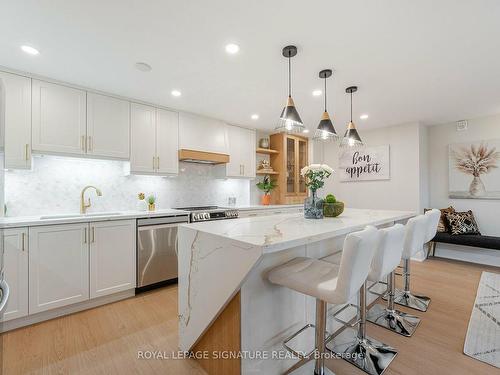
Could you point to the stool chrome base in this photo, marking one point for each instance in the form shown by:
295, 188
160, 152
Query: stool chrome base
406, 298
369, 355
393, 320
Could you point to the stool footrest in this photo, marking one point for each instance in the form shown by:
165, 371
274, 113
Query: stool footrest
343, 322
296, 353
377, 293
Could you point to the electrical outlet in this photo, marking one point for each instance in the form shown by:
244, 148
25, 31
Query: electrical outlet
461, 125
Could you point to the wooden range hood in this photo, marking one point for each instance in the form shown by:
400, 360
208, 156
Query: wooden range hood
202, 157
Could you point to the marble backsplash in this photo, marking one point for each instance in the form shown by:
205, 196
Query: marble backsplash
54, 184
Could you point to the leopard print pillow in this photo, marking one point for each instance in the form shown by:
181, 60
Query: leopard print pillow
462, 223
443, 223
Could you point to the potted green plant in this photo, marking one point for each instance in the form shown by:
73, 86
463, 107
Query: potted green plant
266, 185
151, 203
332, 207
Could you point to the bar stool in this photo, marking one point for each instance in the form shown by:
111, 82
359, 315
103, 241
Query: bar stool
366, 353
433, 217
328, 283
384, 264
415, 238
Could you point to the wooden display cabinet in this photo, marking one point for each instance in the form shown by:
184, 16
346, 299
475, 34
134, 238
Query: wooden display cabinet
292, 157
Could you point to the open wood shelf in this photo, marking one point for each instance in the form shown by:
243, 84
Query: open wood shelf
267, 151
264, 173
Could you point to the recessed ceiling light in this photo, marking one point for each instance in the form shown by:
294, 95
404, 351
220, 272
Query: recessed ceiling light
176, 93
30, 50
363, 117
317, 92
232, 48
143, 67
255, 117
305, 131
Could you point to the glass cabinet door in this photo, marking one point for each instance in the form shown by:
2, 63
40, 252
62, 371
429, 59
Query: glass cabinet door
290, 165
302, 162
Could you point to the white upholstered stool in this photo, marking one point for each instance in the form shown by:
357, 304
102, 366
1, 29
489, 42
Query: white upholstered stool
417, 232
328, 283
364, 352
384, 264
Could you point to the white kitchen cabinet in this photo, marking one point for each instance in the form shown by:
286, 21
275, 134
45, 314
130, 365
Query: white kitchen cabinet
241, 152
112, 257
16, 272
58, 266
17, 119
108, 126
202, 134
154, 140
143, 138
58, 119
167, 142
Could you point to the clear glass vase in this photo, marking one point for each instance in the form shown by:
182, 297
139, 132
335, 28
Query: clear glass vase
313, 206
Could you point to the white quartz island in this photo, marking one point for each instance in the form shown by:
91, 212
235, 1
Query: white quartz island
219, 259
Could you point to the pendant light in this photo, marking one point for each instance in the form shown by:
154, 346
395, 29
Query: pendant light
290, 120
351, 136
325, 131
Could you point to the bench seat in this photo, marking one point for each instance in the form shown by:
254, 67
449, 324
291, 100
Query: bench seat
473, 240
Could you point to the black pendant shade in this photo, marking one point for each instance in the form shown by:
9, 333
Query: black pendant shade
290, 120
325, 130
351, 136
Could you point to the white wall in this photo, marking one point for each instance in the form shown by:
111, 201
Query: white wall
440, 136
485, 211
406, 190
55, 183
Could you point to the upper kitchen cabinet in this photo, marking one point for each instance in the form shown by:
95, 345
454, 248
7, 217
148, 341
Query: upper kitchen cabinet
17, 93
108, 126
202, 134
154, 140
167, 141
241, 152
58, 119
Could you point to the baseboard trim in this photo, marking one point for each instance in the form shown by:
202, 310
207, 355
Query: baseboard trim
66, 310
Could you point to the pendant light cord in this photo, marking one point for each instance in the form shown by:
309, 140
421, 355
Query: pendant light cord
351, 106
289, 75
325, 94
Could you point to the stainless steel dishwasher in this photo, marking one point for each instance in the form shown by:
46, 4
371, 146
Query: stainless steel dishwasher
157, 250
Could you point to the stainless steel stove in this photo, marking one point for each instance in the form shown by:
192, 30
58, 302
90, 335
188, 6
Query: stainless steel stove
209, 213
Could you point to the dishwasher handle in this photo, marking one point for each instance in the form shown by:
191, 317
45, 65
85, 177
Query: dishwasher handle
157, 226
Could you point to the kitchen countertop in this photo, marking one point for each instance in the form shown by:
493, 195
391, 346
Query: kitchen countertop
269, 207
29, 221
283, 231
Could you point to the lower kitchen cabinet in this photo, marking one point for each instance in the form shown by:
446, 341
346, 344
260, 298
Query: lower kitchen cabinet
58, 266
16, 272
112, 257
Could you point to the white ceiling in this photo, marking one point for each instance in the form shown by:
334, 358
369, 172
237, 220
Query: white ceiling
429, 61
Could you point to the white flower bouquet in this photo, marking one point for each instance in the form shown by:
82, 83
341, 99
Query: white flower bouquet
315, 175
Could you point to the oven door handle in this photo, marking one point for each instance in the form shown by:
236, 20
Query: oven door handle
5, 294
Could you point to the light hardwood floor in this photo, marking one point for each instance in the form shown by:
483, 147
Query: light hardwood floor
106, 340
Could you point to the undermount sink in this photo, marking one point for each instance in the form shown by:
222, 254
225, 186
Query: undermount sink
72, 216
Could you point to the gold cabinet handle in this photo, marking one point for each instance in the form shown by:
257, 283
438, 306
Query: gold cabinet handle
83, 142
158, 162
23, 241
85, 235
93, 234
